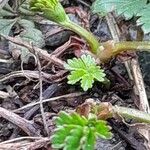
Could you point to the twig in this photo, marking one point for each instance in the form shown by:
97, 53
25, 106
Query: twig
144, 105
25, 125
134, 74
30, 74
43, 54
41, 96
21, 139
50, 100
26, 145
84, 3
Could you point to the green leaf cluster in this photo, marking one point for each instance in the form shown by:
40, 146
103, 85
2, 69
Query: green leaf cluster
51, 9
128, 8
29, 32
75, 132
85, 70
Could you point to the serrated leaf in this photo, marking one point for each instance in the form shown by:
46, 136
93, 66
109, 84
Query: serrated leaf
128, 8
6, 25
144, 20
78, 132
74, 118
89, 140
87, 82
75, 76
82, 121
85, 70
65, 117
74, 64
73, 140
90, 61
58, 139
102, 129
99, 76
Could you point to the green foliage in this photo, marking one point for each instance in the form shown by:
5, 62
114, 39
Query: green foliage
128, 8
51, 9
85, 70
6, 25
28, 33
75, 132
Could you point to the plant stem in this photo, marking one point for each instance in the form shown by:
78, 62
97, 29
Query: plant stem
130, 113
88, 36
131, 45
112, 48
106, 110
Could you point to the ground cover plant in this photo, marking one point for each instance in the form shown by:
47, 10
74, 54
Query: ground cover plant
78, 128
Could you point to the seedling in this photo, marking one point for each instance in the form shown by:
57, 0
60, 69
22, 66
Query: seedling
79, 130
85, 70
76, 132
53, 10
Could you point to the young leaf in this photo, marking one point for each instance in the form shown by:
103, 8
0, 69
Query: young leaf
85, 70
51, 9
75, 119
90, 139
87, 82
102, 129
73, 140
128, 8
75, 132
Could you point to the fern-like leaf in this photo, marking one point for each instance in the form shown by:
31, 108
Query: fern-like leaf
128, 8
75, 132
85, 70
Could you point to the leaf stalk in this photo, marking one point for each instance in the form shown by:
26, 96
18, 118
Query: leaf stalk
87, 35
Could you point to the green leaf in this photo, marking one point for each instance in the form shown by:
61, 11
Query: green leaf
75, 64
75, 132
73, 140
128, 8
66, 118
75, 76
82, 121
102, 129
58, 139
99, 75
4, 13
6, 25
74, 118
29, 34
144, 20
87, 82
3, 3
51, 9
85, 70
89, 140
